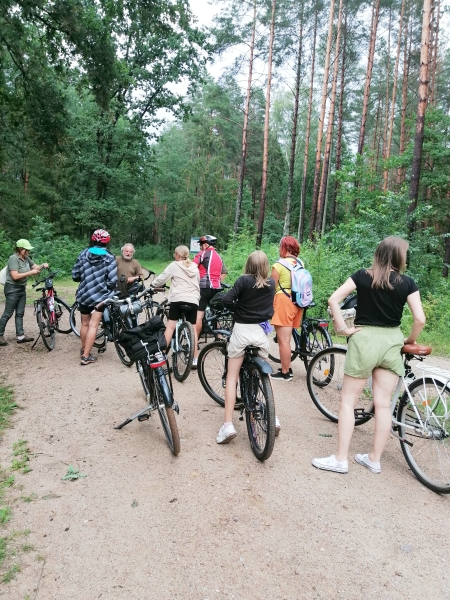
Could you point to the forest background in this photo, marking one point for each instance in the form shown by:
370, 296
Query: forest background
325, 120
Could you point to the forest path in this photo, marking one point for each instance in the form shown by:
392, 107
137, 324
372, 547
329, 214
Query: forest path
212, 523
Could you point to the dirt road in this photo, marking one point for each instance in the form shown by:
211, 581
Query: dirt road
212, 523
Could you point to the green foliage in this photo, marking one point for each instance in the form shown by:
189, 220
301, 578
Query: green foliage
7, 406
21, 453
72, 474
59, 251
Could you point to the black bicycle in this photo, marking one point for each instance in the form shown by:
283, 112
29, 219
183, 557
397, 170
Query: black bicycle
216, 317
144, 345
52, 313
254, 394
306, 341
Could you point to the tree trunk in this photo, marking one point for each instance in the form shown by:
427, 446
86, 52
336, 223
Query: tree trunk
321, 123
421, 109
287, 219
245, 128
262, 205
388, 76
406, 63
446, 257
433, 82
301, 219
321, 214
373, 37
340, 124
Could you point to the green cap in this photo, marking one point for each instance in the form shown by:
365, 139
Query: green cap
24, 244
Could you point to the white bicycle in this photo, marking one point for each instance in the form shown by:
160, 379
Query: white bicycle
420, 409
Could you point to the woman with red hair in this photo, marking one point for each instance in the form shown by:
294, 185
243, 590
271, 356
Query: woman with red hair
287, 315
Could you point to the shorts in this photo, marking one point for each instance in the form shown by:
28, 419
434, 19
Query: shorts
286, 313
374, 347
206, 295
190, 313
87, 310
244, 335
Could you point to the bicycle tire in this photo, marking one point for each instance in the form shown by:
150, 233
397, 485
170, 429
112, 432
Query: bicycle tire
167, 416
183, 357
211, 370
259, 411
75, 327
274, 349
46, 330
428, 453
142, 370
324, 378
318, 339
122, 324
62, 314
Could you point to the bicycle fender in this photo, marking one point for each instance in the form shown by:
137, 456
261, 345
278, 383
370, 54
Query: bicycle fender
262, 364
168, 397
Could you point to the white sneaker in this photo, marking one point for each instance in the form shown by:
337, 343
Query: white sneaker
226, 434
364, 460
331, 464
277, 426
194, 363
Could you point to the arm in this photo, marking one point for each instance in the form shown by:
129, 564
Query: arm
415, 304
275, 276
224, 272
165, 276
111, 278
333, 302
76, 271
230, 298
18, 276
137, 274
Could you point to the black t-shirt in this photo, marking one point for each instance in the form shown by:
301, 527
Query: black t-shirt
381, 307
250, 304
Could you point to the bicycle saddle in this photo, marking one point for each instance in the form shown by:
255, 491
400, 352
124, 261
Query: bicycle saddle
417, 349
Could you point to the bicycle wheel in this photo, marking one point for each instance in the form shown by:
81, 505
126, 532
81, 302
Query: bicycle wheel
62, 314
167, 415
47, 330
182, 358
211, 370
259, 411
274, 349
324, 378
143, 372
75, 320
318, 339
425, 432
122, 325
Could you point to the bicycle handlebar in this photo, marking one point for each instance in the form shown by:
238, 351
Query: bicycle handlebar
50, 276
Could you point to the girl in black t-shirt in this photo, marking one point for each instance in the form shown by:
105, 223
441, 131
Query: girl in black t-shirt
374, 346
251, 298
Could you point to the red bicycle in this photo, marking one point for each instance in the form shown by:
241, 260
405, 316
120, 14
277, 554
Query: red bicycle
52, 313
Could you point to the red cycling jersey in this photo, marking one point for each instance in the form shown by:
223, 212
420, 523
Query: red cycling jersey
211, 267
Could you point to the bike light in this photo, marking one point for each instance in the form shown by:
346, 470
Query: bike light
49, 284
323, 325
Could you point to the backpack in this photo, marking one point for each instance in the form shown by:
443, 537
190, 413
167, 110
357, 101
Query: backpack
301, 283
3, 274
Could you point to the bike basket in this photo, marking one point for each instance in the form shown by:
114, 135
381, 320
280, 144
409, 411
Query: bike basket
140, 348
348, 315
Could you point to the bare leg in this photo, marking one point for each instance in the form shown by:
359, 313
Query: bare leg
198, 328
383, 383
284, 335
168, 334
91, 326
233, 368
351, 391
84, 329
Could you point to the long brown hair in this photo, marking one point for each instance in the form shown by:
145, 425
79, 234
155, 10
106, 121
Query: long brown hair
390, 255
258, 265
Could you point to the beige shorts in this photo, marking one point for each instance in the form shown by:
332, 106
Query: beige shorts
244, 335
374, 347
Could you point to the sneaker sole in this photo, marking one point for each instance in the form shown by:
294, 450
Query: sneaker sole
228, 439
83, 364
279, 379
364, 464
333, 469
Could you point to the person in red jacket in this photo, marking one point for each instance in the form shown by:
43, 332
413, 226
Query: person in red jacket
212, 272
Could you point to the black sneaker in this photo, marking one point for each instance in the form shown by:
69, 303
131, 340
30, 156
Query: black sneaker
290, 370
281, 376
25, 339
3, 342
88, 360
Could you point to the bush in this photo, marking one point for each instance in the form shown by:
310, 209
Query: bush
60, 252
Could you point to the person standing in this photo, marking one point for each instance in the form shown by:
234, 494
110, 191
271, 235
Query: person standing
212, 272
96, 271
374, 346
128, 269
184, 289
20, 267
287, 314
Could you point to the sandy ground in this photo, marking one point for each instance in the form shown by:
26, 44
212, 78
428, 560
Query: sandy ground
212, 523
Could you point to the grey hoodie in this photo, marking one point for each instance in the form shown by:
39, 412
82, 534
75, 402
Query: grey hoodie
185, 285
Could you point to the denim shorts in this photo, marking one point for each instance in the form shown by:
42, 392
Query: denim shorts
374, 347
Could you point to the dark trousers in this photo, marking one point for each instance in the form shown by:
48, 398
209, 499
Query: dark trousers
16, 296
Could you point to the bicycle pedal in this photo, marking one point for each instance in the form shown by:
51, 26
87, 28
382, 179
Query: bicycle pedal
241, 418
101, 350
144, 417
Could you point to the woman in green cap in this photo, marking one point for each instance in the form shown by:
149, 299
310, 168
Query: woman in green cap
20, 267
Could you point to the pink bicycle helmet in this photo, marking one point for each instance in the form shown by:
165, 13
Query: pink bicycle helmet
101, 235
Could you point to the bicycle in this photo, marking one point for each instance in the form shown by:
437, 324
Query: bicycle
311, 337
420, 414
148, 356
52, 313
255, 396
216, 317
